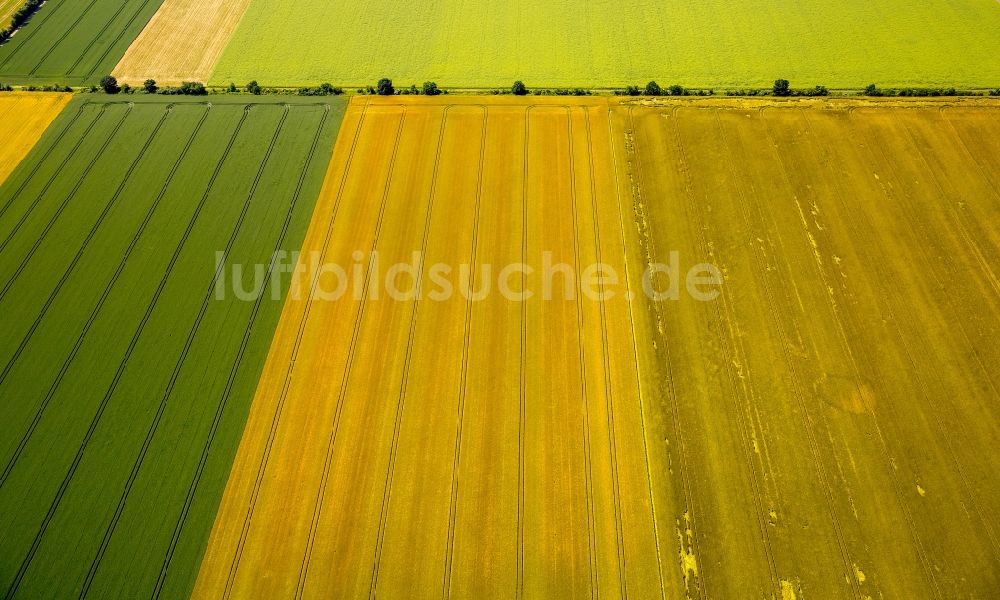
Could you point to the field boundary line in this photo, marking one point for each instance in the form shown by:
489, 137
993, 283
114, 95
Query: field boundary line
45, 188
276, 419
80, 339
112, 388
806, 417
582, 358
401, 399
605, 341
463, 383
348, 371
31, 33
81, 449
79, 254
655, 309
27, 180
45, 156
112, 45
100, 33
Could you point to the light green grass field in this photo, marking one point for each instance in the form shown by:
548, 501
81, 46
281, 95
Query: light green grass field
73, 42
125, 380
710, 43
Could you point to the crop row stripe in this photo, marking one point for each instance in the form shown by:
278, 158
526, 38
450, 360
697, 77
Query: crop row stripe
348, 371
604, 328
401, 400
585, 396
121, 369
231, 381
671, 389
463, 383
52, 46
276, 419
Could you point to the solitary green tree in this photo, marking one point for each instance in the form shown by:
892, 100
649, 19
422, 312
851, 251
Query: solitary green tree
519, 89
110, 85
653, 89
676, 90
431, 89
149, 86
782, 88
254, 88
385, 88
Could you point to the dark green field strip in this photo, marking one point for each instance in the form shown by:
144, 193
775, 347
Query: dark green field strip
74, 41
129, 398
63, 305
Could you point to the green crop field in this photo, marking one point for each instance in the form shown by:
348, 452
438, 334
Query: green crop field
73, 42
126, 378
561, 43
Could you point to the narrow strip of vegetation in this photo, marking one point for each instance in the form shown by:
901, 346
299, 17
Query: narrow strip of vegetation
781, 89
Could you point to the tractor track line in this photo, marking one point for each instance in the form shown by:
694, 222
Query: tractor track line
605, 338
463, 383
585, 395
806, 417
55, 175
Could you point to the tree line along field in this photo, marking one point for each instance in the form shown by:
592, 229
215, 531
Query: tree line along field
73, 42
23, 120
604, 44
822, 429
126, 380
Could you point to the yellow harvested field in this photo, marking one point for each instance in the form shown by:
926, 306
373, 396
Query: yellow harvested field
182, 42
822, 426
24, 117
7, 10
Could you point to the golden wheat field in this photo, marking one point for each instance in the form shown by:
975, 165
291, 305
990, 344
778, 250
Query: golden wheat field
24, 117
821, 427
182, 42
